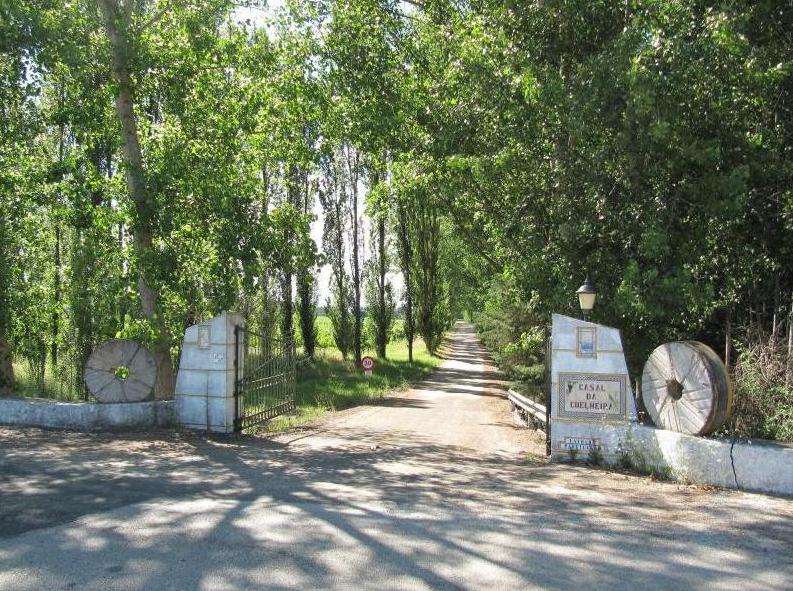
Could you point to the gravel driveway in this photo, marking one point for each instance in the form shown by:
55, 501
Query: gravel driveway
429, 489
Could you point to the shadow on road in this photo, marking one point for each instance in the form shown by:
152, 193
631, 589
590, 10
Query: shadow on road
252, 513
488, 509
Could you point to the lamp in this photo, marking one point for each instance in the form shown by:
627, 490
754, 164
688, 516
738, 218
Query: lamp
586, 298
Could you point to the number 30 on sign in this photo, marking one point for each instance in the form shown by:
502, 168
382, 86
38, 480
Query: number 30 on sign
368, 364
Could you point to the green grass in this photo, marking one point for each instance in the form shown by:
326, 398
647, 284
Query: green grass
56, 384
331, 383
325, 331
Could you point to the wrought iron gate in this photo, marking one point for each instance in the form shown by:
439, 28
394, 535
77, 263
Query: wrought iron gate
548, 376
264, 384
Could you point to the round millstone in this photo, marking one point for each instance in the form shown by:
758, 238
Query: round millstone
685, 388
120, 371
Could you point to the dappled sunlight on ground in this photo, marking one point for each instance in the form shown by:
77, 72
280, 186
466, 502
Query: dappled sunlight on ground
369, 498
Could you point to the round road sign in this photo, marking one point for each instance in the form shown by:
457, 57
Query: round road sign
368, 363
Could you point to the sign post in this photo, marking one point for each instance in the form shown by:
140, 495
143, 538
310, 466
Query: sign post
591, 399
368, 364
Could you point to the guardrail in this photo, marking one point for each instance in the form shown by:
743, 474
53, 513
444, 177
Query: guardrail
534, 413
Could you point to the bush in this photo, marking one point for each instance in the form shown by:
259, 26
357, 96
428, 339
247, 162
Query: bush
763, 392
397, 331
325, 339
368, 333
532, 374
510, 326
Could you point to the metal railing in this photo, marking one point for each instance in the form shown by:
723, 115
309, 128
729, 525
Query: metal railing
532, 412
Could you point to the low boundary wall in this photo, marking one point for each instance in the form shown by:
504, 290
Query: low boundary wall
86, 416
752, 465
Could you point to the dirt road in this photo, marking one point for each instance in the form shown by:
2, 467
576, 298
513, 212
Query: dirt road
430, 489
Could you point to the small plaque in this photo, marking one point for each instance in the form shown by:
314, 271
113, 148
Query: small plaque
204, 337
586, 339
592, 395
584, 443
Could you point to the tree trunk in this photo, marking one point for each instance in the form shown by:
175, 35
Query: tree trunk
728, 339
406, 260
428, 288
307, 313
56, 277
82, 266
269, 309
116, 22
382, 316
306, 292
6, 367
287, 300
352, 163
287, 311
56, 289
342, 303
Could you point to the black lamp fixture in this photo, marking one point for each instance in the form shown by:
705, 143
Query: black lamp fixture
586, 298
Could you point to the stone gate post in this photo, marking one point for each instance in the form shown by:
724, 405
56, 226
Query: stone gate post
205, 381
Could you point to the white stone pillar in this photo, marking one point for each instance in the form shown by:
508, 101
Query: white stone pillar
591, 397
205, 382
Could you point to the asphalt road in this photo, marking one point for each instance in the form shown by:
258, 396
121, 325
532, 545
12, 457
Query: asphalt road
430, 489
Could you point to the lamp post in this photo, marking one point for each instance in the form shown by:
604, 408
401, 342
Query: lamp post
586, 298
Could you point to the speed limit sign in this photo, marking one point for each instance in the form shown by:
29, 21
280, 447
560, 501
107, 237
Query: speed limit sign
368, 365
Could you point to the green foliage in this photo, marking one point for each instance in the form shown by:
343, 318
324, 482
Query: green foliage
511, 149
433, 315
221, 113
620, 142
513, 331
380, 310
325, 339
397, 330
595, 457
763, 391
338, 310
308, 314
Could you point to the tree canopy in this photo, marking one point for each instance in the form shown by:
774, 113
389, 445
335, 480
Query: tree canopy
161, 161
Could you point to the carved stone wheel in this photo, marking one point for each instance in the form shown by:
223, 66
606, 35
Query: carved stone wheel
120, 371
685, 388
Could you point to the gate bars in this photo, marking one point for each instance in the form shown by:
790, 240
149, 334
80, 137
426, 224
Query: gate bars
264, 372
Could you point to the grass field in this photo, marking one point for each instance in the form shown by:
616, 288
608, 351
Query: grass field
331, 383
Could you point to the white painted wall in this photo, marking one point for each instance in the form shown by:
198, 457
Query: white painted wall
86, 416
760, 466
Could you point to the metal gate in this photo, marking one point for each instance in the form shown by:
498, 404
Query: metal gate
548, 376
264, 386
